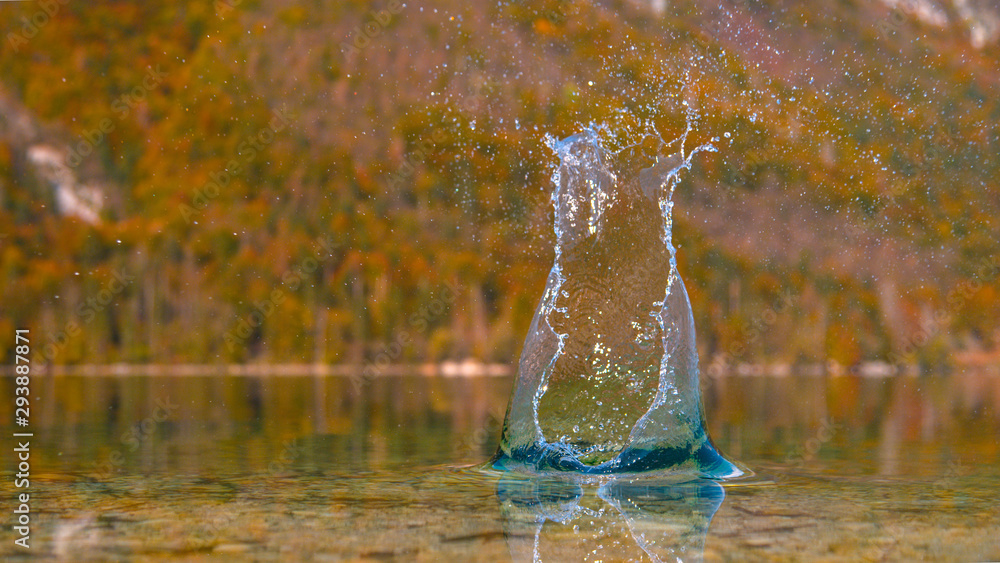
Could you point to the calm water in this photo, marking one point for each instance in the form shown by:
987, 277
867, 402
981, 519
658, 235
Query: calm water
217, 468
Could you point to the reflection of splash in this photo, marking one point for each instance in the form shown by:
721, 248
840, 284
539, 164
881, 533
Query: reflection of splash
608, 379
555, 519
79, 535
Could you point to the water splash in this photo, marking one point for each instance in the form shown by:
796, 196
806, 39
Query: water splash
608, 378
621, 519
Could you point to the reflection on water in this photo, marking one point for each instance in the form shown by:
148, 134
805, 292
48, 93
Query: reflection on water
619, 519
893, 426
198, 468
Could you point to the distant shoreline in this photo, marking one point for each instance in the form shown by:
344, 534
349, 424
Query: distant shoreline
466, 368
445, 369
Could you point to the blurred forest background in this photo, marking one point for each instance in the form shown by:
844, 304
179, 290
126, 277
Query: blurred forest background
166, 170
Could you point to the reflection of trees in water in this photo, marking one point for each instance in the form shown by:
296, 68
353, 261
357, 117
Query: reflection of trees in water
899, 420
223, 421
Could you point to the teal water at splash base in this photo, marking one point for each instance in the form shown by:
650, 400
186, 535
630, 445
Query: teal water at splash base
608, 378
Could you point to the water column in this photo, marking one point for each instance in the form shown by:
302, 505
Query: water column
608, 377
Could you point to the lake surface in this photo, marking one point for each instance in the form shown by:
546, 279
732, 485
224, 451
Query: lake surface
313, 468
